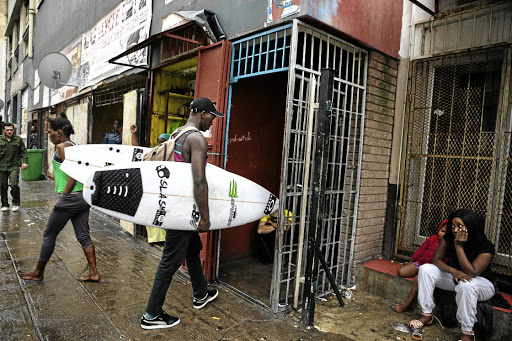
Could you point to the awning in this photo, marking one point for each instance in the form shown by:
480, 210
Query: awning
205, 19
149, 41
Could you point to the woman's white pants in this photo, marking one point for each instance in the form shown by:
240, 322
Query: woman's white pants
468, 293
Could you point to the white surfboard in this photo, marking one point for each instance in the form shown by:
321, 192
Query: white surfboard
88, 158
155, 193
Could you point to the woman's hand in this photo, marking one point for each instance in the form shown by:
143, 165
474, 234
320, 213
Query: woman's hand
133, 128
460, 276
461, 237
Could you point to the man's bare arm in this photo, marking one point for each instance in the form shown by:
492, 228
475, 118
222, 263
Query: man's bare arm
198, 149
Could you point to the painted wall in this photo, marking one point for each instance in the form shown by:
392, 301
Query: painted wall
58, 23
376, 23
165, 81
78, 115
237, 17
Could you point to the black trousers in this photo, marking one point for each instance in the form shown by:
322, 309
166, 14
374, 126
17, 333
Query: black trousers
10, 178
266, 246
178, 246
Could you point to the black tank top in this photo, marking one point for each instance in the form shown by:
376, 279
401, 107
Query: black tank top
178, 146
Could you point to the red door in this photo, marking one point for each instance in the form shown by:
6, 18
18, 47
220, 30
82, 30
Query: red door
212, 82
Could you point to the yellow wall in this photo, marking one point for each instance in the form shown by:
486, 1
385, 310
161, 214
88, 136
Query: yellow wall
170, 77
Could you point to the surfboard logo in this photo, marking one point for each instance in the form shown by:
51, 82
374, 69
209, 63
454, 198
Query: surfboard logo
159, 217
270, 204
195, 216
233, 189
137, 155
232, 212
162, 172
233, 193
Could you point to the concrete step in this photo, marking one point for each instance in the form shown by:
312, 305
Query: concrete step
379, 277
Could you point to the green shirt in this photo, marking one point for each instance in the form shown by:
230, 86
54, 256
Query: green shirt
61, 178
12, 153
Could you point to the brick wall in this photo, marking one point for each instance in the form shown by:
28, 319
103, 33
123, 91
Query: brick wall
378, 131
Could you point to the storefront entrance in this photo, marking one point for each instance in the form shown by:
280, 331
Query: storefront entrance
270, 85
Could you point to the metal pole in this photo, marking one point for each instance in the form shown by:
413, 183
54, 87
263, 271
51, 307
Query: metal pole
321, 257
305, 186
318, 194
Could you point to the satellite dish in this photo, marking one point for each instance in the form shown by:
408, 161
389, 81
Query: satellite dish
1, 104
54, 70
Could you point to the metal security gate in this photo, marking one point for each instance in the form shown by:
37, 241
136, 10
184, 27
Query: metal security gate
312, 50
458, 148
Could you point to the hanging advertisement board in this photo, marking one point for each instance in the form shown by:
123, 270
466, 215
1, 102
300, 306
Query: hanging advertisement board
74, 53
125, 26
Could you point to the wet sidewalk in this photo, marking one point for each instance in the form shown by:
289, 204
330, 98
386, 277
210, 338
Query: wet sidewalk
61, 308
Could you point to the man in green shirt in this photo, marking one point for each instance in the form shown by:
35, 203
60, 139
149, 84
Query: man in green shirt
12, 155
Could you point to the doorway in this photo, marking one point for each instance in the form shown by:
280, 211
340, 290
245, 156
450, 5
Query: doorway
254, 151
269, 96
108, 106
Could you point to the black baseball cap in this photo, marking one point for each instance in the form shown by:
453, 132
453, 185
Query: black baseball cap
204, 104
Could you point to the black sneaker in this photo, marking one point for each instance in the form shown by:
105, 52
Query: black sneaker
159, 321
210, 296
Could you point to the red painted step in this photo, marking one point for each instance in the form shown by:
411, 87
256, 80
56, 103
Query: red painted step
389, 267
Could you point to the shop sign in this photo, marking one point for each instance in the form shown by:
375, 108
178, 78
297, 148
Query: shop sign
279, 9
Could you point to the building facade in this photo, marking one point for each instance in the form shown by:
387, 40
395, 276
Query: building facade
143, 61
3, 57
452, 147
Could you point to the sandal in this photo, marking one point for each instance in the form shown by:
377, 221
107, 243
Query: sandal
416, 329
471, 333
416, 326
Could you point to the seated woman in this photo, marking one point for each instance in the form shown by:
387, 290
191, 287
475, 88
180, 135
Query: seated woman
422, 256
467, 272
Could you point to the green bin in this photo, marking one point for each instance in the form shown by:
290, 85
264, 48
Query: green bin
35, 165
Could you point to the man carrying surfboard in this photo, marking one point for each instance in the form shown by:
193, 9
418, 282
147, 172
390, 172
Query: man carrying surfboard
190, 146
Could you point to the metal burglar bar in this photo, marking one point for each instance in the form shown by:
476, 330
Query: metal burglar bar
458, 149
261, 54
311, 51
502, 234
303, 51
113, 95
